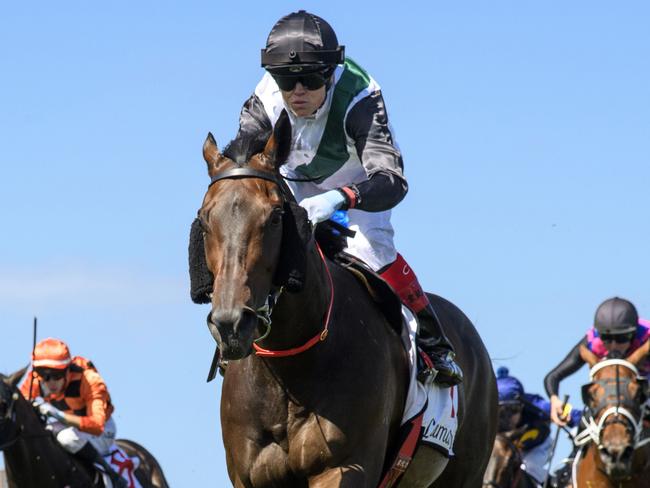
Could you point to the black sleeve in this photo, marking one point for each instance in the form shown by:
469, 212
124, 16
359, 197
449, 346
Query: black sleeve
381, 192
367, 124
255, 128
569, 365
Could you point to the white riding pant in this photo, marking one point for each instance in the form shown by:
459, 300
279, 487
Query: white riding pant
73, 439
373, 242
534, 460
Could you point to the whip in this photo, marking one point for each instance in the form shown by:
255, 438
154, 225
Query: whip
549, 461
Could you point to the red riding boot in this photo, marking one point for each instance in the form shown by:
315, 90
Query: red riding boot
431, 337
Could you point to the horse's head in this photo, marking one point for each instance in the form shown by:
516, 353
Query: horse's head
504, 467
9, 395
614, 399
246, 216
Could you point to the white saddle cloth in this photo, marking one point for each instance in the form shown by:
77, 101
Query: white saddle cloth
123, 465
440, 421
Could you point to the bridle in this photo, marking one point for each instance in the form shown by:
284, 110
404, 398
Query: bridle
515, 459
622, 412
264, 313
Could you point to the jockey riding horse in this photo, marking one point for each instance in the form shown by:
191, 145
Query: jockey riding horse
343, 155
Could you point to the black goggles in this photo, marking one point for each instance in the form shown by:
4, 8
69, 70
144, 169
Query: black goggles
617, 338
311, 81
51, 374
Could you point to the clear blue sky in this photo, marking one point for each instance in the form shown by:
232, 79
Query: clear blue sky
525, 131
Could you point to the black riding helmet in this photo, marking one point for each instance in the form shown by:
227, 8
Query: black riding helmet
616, 316
302, 43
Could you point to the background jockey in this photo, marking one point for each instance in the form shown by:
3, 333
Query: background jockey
617, 332
518, 409
73, 397
343, 145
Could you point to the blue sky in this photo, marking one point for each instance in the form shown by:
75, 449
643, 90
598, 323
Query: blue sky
525, 131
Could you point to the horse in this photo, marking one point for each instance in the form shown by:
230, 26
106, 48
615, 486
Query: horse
319, 403
615, 455
504, 469
34, 459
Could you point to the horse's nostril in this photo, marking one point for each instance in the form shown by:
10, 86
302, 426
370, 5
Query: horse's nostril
225, 318
627, 453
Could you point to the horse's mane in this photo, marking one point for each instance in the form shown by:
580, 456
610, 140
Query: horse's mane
242, 149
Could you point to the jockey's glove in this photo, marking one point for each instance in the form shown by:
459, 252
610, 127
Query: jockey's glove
321, 207
48, 410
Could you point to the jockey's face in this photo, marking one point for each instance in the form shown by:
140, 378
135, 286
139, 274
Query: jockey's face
617, 345
509, 416
53, 381
304, 102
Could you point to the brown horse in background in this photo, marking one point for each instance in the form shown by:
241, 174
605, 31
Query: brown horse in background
504, 469
34, 459
320, 402
614, 457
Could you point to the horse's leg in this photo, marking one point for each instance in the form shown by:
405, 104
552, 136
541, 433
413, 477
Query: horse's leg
352, 476
427, 465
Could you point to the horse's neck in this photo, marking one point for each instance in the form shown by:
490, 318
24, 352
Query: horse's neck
299, 316
36, 456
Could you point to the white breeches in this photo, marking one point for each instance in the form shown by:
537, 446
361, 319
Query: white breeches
373, 242
72, 439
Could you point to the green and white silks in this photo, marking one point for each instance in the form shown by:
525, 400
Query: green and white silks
321, 149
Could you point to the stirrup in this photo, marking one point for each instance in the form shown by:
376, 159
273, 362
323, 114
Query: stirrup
445, 373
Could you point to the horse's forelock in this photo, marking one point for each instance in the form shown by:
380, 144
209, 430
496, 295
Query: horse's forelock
241, 150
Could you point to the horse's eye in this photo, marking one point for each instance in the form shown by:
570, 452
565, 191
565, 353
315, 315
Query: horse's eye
276, 217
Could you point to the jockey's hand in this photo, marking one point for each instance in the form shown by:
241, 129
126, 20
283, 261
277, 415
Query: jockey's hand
321, 207
48, 410
558, 411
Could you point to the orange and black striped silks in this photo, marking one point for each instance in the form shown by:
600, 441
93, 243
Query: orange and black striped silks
85, 395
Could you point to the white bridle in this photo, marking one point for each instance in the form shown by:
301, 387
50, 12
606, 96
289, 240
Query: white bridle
593, 429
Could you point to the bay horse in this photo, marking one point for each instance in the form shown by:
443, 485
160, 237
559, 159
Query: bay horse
615, 456
504, 468
319, 403
34, 459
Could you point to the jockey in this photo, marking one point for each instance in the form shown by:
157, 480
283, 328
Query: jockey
73, 397
617, 332
518, 409
344, 154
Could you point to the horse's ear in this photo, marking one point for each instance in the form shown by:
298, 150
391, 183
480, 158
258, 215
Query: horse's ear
211, 153
14, 378
587, 356
640, 354
279, 144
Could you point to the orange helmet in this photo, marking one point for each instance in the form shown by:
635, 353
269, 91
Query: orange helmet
51, 353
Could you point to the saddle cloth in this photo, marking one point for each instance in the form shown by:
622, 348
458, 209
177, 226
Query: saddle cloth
123, 465
440, 405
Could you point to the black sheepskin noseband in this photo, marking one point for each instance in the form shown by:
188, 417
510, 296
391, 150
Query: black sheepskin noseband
292, 262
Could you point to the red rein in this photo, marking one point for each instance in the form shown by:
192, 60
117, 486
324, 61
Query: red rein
321, 336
